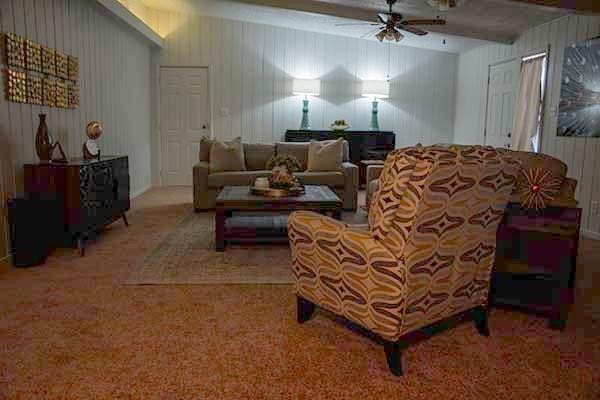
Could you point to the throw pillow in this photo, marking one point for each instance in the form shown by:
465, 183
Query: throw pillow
227, 156
325, 156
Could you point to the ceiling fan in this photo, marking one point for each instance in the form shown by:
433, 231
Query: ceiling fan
390, 24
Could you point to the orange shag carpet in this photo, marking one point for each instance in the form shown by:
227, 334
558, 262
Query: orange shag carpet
72, 330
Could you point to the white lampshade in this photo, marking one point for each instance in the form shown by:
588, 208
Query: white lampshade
379, 89
308, 87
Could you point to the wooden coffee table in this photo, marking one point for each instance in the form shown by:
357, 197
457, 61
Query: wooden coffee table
269, 214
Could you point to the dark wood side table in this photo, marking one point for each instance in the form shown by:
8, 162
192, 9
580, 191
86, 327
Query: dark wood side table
269, 220
536, 255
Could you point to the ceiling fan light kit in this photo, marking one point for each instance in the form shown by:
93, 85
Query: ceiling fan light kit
444, 5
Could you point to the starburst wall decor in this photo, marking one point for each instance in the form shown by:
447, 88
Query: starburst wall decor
579, 107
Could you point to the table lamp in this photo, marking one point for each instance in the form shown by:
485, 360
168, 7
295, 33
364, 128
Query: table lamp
306, 87
375, 90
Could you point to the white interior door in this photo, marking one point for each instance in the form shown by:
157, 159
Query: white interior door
503, 86
184, 119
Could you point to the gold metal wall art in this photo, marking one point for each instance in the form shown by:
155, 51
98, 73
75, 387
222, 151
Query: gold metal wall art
62, 65
73, 68
73, 95
48, 61
16, 86
15, 50
49, 92
61, 94
37, 74
34, 89
33, 56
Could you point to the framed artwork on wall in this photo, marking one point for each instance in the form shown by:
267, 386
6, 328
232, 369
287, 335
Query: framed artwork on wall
579, 106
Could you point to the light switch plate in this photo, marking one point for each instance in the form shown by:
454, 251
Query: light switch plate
224, 112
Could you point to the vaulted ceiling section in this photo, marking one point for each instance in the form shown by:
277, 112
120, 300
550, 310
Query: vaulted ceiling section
494, 20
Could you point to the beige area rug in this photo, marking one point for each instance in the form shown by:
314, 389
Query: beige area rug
187, 256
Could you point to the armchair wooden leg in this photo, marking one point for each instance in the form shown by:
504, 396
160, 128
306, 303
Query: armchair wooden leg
394, 357
305, 309
480, 315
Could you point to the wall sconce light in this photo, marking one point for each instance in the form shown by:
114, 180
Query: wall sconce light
306, 87
375, 90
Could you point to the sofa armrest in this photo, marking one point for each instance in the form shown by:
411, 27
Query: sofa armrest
345, 270
373, 172
200, 175
566, 195
350, 200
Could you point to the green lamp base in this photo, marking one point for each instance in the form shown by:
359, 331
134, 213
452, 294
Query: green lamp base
305, 124
374, 121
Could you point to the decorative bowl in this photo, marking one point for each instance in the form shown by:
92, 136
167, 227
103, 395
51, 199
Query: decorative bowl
339, 128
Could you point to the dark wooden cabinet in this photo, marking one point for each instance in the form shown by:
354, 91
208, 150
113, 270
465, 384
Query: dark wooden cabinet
364, 145
536, 255
90, 193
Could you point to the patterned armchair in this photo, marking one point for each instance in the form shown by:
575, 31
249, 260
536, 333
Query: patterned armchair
427, 255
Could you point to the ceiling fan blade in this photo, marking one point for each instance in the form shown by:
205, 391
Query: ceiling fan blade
413, 30
369, 33
359, 24
437, 21
383, 18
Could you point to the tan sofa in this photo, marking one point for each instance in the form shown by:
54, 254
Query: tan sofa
207, 185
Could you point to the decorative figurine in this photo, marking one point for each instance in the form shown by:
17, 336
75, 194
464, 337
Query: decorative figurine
93, 131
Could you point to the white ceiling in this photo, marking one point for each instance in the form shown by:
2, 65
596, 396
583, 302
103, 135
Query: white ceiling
236, 10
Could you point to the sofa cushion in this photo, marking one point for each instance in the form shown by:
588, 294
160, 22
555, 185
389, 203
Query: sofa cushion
227, 156
325, 156
257, 156
237, 178
332, 179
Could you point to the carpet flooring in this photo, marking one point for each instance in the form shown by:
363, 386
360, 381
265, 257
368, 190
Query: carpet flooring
72, 330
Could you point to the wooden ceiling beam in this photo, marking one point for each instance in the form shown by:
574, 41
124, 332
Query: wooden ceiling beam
579, 6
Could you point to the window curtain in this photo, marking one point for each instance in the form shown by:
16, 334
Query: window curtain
528, 105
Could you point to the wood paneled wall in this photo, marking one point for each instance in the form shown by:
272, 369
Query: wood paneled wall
252, 67
114, 78
582, 155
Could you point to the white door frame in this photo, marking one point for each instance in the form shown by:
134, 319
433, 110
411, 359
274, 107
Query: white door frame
159, 110
487, 91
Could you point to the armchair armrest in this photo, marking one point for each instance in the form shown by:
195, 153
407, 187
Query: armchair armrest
350, 200
345, 270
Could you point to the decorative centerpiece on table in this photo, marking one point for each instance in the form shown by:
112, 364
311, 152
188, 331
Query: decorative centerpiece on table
282, 181
339, 125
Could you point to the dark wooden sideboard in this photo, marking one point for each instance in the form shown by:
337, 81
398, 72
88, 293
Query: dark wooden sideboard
364, 145
90, 193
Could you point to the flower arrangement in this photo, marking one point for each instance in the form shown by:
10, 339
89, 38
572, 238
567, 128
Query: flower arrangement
282, 168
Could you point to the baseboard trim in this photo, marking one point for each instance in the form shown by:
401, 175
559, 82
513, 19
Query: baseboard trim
140, 192
590, 234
